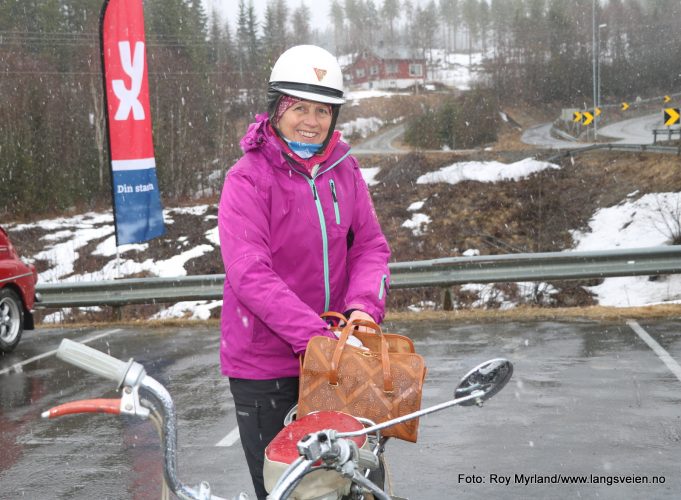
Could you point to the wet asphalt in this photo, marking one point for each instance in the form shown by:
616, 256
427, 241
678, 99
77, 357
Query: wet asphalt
591, 412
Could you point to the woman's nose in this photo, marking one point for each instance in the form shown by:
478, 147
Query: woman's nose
311, 120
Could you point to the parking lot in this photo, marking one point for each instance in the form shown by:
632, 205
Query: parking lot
592, 411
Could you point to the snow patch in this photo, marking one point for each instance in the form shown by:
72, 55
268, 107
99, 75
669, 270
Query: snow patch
647, 221
490, 171
417, 223
369, 175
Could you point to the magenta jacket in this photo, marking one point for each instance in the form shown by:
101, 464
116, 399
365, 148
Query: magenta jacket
293, 247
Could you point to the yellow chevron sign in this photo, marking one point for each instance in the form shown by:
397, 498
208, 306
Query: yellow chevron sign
624, 106
597, 111
577, 116
671, 116
666, 99
587, 118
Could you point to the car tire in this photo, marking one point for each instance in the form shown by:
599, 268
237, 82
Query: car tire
11, 319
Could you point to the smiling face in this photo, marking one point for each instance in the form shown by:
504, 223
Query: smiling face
306, 121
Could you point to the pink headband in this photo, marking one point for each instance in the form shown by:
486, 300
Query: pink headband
285, 102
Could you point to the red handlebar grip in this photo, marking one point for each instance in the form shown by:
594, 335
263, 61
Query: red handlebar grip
112, 406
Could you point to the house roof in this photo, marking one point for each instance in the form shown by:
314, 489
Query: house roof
397, 53
391, 53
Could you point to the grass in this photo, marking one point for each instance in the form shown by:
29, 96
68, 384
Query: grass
593, 313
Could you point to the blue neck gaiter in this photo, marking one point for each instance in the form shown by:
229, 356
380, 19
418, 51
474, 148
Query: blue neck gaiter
303, 149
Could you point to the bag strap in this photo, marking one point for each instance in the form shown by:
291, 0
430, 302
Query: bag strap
338, 317
342, 341
385, 358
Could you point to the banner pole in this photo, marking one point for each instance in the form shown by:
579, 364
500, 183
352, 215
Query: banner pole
118, 263
106, 116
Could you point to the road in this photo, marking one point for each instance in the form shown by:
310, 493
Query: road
540, 136
588, 401
381, 143
633, 131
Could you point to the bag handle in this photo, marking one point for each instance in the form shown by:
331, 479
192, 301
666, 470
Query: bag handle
342, 341
338, 317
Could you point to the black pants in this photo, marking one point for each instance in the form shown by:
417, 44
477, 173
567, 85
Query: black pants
261, 406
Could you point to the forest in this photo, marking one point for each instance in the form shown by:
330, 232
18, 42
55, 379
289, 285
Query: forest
208, 75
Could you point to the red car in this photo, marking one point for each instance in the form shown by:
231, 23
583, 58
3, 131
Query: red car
17, 294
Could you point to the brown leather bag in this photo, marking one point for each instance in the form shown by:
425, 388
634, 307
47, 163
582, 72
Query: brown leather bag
374, 384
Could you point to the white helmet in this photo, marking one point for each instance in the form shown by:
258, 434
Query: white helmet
308, 72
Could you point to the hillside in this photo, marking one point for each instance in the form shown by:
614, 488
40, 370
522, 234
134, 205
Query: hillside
539, 212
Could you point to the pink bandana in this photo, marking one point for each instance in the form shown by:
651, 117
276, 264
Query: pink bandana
285, 102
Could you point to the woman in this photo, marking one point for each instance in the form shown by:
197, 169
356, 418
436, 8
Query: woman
299, 236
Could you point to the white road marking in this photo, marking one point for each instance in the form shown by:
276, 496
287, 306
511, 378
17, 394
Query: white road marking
230, 438
657, 348
18, 367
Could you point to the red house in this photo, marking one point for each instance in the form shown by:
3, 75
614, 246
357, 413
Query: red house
385, 69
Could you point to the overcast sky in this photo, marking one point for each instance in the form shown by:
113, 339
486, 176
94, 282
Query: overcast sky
319, 9
230, 9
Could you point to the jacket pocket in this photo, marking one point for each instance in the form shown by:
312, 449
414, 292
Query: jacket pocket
384, 287
336, 208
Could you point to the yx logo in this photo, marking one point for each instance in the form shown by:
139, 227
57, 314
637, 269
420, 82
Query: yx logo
134, 68
321, 73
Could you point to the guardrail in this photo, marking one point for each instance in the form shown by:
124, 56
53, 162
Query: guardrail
642, 148
441, 273
668, 132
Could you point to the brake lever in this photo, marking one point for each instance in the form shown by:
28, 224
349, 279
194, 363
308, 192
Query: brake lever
111, 406
127, 404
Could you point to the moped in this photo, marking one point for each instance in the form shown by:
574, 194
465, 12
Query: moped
326, 455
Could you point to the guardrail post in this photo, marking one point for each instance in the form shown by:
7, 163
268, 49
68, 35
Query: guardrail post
117, 313
447, 302
654, 136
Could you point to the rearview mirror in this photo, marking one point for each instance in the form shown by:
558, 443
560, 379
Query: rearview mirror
487, 378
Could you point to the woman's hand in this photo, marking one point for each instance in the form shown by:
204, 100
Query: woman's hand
353, 341
357, 314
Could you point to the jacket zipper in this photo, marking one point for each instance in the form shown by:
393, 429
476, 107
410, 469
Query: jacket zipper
325, 243
335, 200
382, 289
322, 226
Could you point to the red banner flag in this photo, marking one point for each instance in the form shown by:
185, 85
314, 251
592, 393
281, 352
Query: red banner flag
138, 214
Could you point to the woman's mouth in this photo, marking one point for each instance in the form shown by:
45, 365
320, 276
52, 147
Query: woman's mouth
306, 134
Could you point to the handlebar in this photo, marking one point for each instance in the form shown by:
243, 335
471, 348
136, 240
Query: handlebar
98, 363
474, 396
133, 376
331, 446
334, 448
